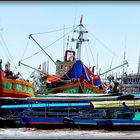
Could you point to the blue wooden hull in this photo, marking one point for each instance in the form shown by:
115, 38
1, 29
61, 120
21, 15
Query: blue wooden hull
103, 123
45, 121
39, 121
118, 122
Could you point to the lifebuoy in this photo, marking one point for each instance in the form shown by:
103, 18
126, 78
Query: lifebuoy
24, 120
72, 58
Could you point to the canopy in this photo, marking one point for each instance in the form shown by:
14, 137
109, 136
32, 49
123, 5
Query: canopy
54, 78
78, 69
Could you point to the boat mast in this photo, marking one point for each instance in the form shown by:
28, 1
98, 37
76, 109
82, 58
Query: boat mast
80, 39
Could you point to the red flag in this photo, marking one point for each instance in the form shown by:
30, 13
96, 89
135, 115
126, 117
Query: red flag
81, 20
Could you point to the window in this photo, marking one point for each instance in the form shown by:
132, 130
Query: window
65, 67
30, 90
24, 88
61, 67
18, 87
7, 85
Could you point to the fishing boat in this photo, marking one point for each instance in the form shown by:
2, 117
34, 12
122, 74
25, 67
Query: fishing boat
39, 111
12, 86
72, 75
109, 115
79, 81
131, 83
119, 120
36, 113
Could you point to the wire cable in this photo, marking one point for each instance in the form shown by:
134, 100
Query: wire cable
48, 45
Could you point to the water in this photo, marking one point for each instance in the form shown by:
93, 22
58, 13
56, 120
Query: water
34, 133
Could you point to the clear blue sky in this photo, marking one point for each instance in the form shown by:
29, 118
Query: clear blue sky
112, 23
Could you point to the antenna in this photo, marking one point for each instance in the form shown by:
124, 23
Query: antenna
44, 67
48, 67
67, 42
64, 41
97, 65
139, 63
124, 59
80, 39
110, 65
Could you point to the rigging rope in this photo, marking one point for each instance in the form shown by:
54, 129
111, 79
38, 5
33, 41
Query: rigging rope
43, 49
104, 45
87, 56
9, 55
25, 48
91, 51
48, 45
73, 25
5, 51
53, 31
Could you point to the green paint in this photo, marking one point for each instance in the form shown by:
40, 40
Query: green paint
60, 68
71, 90
7, 85
86, 90
18, 87
137, 116
30, 90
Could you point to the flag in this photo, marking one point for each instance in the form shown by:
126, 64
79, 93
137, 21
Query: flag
81, 20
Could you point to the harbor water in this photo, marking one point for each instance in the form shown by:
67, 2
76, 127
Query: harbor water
35, 133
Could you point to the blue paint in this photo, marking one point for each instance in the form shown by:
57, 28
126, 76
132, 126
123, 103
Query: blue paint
47, 105
46, 120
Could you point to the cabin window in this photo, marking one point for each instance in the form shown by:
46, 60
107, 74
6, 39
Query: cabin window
18, 87
7, 85
125, 116
30, 90
137, 80
61, 67
24, 88
134, 80
65, 67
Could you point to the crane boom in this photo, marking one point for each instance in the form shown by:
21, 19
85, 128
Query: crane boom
126, 63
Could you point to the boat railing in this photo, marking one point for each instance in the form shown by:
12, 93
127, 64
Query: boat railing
46, 113
121, 114
13, 115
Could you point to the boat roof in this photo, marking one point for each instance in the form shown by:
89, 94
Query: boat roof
46, 105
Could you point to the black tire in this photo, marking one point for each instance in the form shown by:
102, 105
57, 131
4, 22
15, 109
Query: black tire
24, 121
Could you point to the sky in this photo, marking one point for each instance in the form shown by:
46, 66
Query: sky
114, 27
